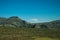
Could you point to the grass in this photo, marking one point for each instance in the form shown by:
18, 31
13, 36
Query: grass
45, 38
8, 33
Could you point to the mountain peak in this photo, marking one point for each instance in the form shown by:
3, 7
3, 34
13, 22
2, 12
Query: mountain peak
14, 17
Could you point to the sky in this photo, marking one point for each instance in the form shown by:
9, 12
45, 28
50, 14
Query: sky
31, 10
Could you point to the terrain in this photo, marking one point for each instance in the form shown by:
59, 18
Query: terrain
16, 22
8, 33
14, 28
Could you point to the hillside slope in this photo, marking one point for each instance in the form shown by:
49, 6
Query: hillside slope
51, 25
16, 22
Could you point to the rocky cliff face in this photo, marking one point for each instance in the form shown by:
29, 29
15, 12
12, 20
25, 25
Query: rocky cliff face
16, 22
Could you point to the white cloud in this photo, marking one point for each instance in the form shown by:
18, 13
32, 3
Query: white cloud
34, 20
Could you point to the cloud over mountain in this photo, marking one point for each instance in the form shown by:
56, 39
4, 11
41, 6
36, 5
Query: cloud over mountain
34, 20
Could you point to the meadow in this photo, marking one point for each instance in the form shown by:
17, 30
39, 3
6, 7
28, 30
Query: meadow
9, 33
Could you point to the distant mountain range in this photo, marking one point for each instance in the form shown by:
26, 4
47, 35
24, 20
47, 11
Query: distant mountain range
16, 22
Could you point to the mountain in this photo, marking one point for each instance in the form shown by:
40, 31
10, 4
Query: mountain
52, 25
16, 22
13, 21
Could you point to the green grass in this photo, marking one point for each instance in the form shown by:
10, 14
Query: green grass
45, 39
7, 33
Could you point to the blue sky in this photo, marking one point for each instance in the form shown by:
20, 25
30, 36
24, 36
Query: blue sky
31, 10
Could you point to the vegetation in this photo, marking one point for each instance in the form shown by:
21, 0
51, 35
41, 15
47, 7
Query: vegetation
14, 28
16, 22
8, 33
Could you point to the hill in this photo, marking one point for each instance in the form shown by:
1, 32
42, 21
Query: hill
51, 25
13, 21
14, 28
16, 22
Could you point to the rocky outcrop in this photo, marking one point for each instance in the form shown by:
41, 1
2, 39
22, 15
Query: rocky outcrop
16, 22
13, 21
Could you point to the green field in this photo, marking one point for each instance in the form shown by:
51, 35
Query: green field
28, 34
45, 38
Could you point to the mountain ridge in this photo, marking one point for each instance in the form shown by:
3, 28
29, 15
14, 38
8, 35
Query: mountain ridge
16, 22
